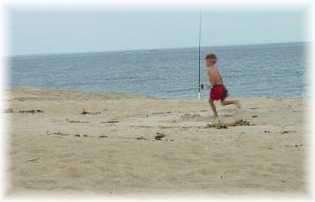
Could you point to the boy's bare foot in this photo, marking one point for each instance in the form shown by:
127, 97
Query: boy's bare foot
215, 121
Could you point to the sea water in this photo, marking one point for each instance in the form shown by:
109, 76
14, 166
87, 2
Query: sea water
268, 70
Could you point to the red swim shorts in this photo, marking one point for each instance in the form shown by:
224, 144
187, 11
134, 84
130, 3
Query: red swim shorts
218, 92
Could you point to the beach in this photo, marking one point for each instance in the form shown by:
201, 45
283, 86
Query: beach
67, 141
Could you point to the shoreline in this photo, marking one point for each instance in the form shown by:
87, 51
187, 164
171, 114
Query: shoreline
61, 141
128, 94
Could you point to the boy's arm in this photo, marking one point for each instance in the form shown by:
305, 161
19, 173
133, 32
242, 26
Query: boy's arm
208, 85
209, 76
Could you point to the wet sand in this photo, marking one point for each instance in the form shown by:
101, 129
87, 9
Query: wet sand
63, 141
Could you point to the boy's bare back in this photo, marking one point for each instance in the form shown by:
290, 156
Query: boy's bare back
214, 76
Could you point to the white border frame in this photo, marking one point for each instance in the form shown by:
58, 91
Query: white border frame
160, 4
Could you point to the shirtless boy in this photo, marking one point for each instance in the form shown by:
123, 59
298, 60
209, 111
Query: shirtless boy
218, 90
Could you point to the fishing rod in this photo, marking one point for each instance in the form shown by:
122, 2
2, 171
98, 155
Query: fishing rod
199, 64
200, 85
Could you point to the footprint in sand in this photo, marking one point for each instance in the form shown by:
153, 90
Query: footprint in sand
159, 136
32, 111
287, 131
110, 121
34, 159
217, 126
141, 138
78, 135
57, 133
160, 113
74, 121
252, 108
295, 145
84, 112
65, 134
221, 125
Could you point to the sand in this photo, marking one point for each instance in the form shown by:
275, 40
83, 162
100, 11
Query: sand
75, 142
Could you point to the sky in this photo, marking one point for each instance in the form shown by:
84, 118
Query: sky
35, 31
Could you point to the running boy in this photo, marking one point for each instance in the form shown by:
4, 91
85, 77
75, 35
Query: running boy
218, 90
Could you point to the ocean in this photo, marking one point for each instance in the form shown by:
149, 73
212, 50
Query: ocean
267, 70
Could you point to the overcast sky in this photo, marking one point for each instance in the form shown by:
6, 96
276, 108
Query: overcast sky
66, 31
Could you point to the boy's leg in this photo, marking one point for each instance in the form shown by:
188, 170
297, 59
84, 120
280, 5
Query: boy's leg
229, 102
213, 108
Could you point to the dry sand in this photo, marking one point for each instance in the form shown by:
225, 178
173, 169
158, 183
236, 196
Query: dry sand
132, 144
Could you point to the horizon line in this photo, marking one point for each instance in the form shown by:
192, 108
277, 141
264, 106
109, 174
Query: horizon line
151, 49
